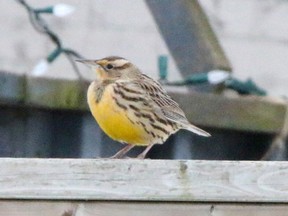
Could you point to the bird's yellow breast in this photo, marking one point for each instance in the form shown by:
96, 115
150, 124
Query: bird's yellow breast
112, 119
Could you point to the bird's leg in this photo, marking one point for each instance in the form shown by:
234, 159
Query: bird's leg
122, 152
143, 154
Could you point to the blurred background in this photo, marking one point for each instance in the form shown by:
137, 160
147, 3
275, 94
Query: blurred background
252, 33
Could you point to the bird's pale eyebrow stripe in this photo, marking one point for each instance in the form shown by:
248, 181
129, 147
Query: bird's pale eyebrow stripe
119, 62
127, 65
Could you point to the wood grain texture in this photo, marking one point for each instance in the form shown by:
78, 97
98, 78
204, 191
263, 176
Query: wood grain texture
96, 208
144, 180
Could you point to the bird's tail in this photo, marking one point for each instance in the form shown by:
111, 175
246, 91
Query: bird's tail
196, 130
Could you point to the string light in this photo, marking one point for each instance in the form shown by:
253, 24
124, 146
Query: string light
217, 76
213, 77
40, 68
163, 66
59, 10
41, 26
43, 64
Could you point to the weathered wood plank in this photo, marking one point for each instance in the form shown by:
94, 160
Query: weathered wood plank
243, 113
56, 93
255, 114
188, 35
96, 208
144, 180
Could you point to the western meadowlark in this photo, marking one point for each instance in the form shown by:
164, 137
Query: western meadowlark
131, 107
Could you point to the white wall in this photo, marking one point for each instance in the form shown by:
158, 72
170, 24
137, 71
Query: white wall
254, 34
96, 29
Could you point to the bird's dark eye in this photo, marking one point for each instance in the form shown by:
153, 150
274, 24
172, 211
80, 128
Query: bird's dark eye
109, 66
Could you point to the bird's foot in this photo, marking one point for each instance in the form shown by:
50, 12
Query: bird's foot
141, 156
116, 156
121, 154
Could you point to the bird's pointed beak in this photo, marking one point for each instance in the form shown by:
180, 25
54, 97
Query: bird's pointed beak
87, 62
90, 62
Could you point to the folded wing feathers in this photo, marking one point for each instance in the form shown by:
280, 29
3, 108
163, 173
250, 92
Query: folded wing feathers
166, 105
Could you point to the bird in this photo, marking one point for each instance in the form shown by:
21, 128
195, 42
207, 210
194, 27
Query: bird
131, 107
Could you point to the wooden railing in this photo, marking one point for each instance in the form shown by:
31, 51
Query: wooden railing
89, 187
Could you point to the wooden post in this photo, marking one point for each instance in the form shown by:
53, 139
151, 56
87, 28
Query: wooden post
188, 35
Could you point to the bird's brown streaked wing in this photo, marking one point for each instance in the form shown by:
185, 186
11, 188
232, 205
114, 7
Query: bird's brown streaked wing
162, 104
165, 106
160, 101
157, 93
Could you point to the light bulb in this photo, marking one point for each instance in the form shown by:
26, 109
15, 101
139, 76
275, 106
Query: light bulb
62, 10
217, 76
40, 68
